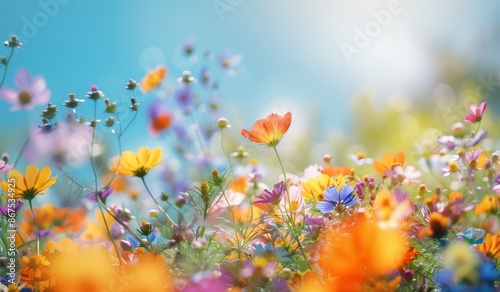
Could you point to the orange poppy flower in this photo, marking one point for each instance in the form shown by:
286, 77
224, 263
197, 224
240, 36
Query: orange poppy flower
388, 161
153, 78
270, 130
491, 246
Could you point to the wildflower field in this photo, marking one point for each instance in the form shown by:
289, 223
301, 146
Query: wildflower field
213, 207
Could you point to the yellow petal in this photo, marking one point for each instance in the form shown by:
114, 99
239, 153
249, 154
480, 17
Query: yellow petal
31, 175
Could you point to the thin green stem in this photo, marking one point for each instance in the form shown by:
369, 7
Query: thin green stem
92, 147
156, 202
292, 219
109, 232
6, 67
36, 229
224, 151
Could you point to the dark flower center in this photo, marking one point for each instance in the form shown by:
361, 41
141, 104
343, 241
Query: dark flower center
24, 96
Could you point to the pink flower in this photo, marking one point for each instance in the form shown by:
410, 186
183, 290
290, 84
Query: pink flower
5, 167
32, 91
476, 113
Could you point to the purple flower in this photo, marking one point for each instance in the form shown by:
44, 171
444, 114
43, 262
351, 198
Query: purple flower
335, 199
184, 97
32, 91
271, 197
5, 210
102, 194
448, 141
496, 185
480, 135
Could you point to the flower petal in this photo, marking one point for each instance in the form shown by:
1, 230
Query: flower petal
325, 206
331, 194
23, 78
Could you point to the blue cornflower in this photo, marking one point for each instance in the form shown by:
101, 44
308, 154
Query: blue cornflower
337, 199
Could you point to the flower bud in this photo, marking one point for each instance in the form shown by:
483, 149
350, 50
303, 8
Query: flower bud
205, 191
458, 130
422, 189
180, 201
5, 158
13, 42
327, 158
110, 121
222, 123
94, 94
216, 178
135, 105
164, 196
146, 228
131, 85
153, 213
49, 112
126, 245
73, 101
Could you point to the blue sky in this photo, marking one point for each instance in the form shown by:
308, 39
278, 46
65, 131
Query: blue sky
292, 55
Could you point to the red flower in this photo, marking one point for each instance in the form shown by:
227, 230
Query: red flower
270, 130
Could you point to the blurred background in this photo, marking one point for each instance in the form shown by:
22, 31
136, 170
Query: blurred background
369, 76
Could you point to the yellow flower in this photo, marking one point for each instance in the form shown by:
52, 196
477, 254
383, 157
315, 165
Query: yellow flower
315, 187
33, 182
488, 204
131, 164
491, 246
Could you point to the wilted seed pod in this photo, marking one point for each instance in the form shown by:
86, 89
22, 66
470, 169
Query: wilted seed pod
146, 228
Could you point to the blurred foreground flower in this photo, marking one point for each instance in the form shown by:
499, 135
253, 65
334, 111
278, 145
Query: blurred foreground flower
32, 91
270, 130
354, 254
131, 164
